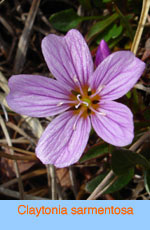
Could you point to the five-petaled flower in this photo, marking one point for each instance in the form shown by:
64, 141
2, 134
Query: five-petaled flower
80, 95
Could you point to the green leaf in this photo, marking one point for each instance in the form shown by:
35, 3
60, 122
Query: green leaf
129, 94
68, 19
94, 152
115, 31
112, 32
123, 160
120, 183
65, 20
125, 22
101, 25
115, 42
147, 180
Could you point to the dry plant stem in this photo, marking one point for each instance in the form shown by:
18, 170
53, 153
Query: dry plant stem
59, 190
143, 88
2, 1
16, 141
139, 31
101, 185
26, 176
6, 25
5, 131
16, 195
53, 182
48, 179
20, 131
45, 20
17, 157
23, 42
137, 144
35, 125
5, 112
73, 180
20, 150
106, 187
4, 83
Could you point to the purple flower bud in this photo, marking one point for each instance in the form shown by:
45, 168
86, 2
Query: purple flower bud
102, 52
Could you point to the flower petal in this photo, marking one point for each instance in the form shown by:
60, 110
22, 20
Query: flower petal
117, 73
37, 96
68, 57
102, 52
116, 127
61, 144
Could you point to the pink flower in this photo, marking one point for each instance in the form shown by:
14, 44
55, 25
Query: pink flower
80, 95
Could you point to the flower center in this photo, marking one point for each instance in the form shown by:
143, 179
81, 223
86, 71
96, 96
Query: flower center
82, 101
85, 102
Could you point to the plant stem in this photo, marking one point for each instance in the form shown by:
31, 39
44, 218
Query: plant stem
139, 31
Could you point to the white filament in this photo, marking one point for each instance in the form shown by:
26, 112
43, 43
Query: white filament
75, 79
98, 90
60, 103
95, 111
81, 102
